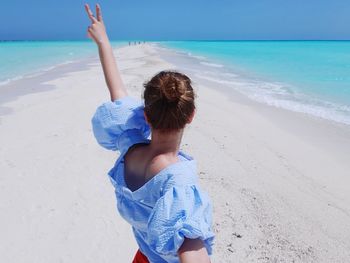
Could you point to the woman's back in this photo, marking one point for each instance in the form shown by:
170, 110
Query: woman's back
157, 192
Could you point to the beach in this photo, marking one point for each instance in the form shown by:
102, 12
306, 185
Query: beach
279, 180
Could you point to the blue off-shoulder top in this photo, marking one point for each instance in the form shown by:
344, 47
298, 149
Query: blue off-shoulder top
168, 207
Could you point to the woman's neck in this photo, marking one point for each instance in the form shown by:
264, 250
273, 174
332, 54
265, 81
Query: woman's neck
166, 143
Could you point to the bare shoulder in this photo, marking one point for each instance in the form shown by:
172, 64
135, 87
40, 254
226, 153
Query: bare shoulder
141, 161
136, 150
135, 157
158, 163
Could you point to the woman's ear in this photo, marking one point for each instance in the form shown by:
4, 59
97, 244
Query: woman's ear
192, 116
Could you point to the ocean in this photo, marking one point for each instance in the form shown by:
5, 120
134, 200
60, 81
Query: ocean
312, 77
20, 59
304, 76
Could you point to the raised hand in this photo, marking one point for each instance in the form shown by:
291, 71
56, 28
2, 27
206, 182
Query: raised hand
96, 30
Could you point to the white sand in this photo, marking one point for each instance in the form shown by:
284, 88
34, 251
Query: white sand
279, 180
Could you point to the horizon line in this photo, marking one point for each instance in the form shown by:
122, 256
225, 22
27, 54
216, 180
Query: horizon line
168, 40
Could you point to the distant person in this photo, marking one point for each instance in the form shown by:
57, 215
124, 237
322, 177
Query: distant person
156, 184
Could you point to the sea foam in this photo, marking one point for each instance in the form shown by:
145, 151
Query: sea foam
280, 74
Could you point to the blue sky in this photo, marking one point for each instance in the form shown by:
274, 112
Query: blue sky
179, 19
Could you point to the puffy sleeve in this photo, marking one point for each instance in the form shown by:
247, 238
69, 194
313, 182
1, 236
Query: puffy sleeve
118, 124
181, 212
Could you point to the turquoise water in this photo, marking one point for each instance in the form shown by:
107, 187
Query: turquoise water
22, 58
305, 76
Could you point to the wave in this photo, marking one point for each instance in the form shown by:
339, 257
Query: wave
196, 56
211, 64
213, 79
276, 94
283, 96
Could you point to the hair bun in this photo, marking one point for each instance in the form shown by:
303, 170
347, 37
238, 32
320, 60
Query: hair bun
169, 101
173, 89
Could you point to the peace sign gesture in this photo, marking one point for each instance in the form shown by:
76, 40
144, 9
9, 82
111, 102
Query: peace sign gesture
96, 30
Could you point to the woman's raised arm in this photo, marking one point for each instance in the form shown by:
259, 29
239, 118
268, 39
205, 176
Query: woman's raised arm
97, 32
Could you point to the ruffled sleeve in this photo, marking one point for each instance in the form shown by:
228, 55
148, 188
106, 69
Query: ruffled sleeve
118, 124
182, 212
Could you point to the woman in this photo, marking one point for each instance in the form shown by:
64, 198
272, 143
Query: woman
156, 183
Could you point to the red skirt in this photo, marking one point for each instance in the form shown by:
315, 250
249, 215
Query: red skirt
140, 258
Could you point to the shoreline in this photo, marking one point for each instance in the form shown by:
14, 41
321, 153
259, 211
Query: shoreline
278, 179
35, 83
34, 58
43, 70
280, 93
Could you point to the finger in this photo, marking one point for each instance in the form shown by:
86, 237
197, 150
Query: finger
90, 14
98, 12
90, 30
88, 35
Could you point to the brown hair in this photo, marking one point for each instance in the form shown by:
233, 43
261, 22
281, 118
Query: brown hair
169, 100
